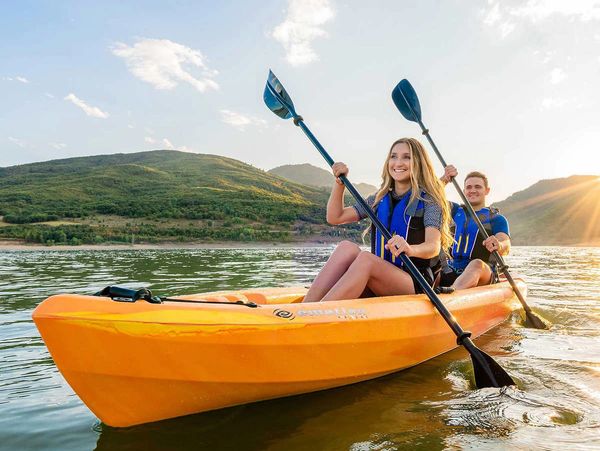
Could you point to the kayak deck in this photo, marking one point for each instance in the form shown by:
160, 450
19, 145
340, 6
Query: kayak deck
139, 362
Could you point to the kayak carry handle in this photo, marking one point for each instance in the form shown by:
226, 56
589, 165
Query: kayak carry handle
123, 294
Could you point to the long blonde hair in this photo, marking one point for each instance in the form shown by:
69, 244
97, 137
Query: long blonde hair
422, 178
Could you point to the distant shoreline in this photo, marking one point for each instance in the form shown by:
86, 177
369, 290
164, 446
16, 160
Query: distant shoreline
6, 245
23, 246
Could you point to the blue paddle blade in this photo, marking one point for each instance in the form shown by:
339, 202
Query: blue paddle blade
406, 100
277, 99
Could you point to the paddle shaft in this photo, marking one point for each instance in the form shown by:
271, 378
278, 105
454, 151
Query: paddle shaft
487, 372
462, 336
502, 266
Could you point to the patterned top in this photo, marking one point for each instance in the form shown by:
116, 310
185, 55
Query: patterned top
432, 216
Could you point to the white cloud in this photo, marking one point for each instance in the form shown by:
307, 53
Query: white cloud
163, 64
130, 126
17, 78
302, 25
89, 110
537, 10
547, 57
503, 14
20, 143
553, 102
241, 121
506, 28
493, 15
58, 146
557, 75
50, 96
167, 144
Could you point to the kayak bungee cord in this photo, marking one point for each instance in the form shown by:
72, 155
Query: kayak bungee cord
120, 294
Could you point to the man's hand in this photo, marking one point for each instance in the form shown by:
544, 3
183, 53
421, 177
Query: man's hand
449, 173
492, 244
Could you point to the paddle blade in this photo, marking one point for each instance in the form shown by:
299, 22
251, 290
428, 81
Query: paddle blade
406, 100
487, 371
277, 99
534, 320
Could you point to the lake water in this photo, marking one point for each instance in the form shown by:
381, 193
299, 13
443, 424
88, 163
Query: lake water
431, 406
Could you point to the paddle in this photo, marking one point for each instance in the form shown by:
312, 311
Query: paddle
487, 372
406, 100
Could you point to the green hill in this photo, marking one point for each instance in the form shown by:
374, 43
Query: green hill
563, 211
166, 195
161, 194
307, 174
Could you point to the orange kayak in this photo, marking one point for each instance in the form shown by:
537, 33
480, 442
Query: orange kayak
137, 362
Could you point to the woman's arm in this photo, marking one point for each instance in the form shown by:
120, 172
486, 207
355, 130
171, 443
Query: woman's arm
431, 246
336, 212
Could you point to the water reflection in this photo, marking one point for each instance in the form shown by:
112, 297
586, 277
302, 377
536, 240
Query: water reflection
432, 406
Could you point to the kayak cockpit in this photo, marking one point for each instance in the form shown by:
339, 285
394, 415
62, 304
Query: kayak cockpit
266, 296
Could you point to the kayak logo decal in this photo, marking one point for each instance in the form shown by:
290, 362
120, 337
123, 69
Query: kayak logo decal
285, 314
341, 313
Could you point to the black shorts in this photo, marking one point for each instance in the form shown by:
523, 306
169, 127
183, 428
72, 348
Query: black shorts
427, 274
448, 278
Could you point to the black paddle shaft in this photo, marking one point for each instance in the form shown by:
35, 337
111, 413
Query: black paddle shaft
406, 100
461, 335
487, 372
502, 266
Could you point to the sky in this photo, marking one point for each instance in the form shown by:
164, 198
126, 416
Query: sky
507, 87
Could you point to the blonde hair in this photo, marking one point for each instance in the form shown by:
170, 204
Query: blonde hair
422, 178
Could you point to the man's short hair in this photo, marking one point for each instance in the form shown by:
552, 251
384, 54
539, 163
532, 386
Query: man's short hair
481, 175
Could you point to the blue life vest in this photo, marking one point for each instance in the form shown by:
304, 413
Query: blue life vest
406, 220
468, 242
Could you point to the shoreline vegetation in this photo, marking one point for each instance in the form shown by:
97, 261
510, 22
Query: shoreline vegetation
177, 198
20, 245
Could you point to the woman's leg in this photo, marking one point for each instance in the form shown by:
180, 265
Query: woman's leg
338, 263
370, 271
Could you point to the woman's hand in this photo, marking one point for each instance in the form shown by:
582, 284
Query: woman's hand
396, 245
449, 173
339, 169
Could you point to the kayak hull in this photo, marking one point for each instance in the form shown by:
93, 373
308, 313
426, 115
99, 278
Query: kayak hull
134, 363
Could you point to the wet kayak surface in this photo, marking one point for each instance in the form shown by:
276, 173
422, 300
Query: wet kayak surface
432, 406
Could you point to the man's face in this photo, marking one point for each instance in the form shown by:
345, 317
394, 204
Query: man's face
475, 190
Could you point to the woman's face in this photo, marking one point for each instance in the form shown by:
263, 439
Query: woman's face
399, 163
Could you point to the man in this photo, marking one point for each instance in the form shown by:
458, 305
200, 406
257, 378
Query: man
471, 262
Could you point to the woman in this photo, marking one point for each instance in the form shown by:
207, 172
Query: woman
412, 204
